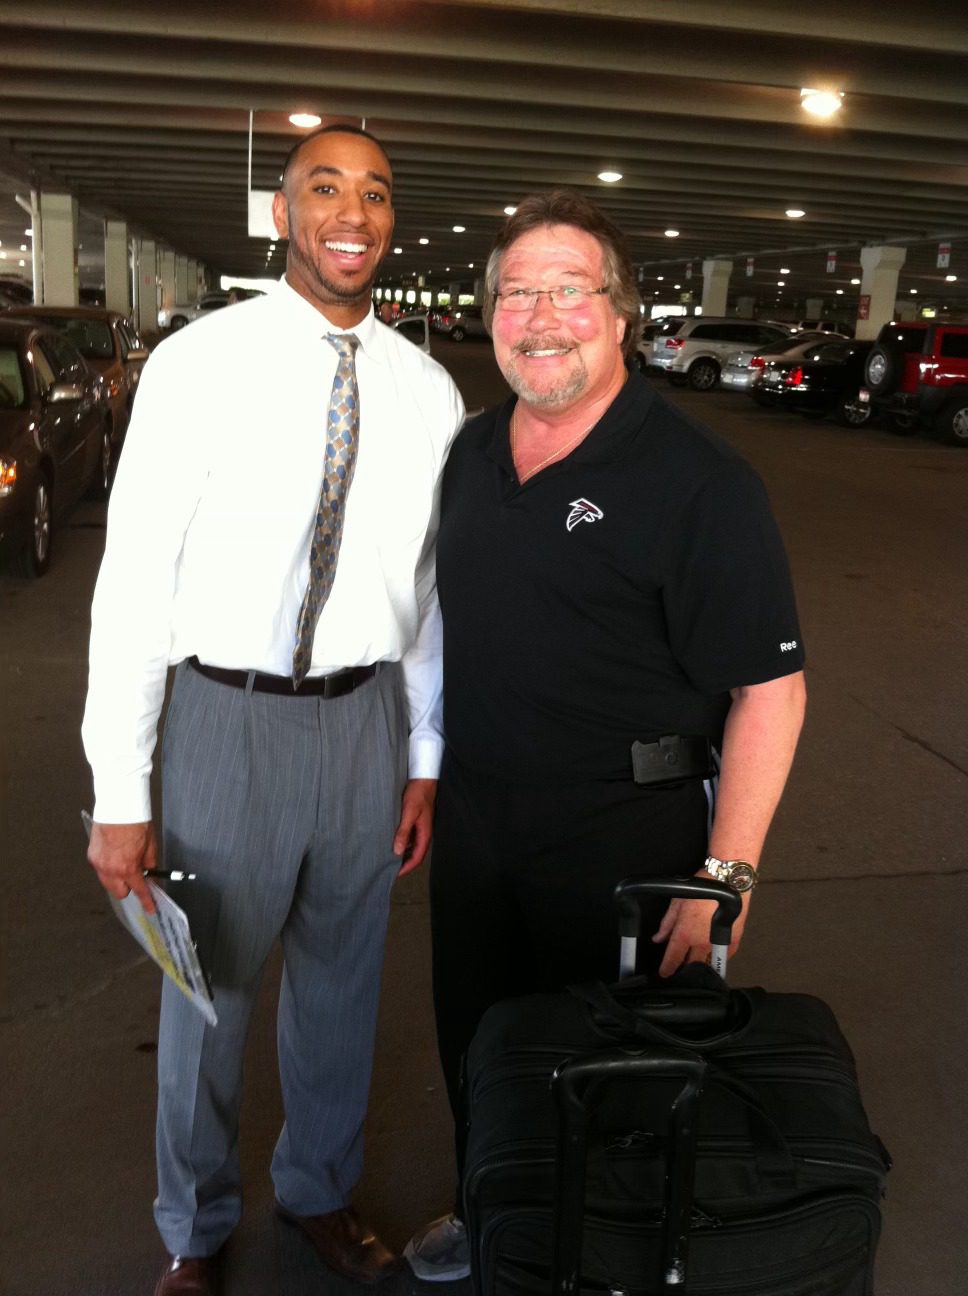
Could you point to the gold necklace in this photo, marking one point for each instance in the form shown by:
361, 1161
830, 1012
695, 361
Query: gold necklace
554, 454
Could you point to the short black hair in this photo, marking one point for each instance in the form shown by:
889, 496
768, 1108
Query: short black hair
335, 129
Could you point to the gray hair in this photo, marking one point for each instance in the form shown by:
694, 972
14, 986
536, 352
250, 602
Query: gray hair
567, 207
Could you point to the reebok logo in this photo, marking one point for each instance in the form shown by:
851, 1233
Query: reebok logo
788, 647
583, 510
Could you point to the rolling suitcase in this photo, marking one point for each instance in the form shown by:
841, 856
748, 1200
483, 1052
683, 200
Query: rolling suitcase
634, 1140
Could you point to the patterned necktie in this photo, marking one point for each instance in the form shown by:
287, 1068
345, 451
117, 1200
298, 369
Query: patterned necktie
342, 434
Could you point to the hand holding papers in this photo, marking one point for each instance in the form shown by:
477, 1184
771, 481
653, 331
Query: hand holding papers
165, 935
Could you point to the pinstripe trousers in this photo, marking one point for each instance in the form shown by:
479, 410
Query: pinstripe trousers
285, 809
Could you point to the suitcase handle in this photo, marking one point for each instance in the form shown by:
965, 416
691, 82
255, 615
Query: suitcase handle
576, 1085
630, 893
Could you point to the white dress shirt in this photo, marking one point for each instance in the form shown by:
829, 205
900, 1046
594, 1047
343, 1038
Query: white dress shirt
211, 516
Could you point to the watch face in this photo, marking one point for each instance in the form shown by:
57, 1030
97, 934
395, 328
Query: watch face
742, 877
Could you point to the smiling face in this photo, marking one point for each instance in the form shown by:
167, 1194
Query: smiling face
553, 359
336, 210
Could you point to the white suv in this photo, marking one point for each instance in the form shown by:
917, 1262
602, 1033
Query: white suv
693, 349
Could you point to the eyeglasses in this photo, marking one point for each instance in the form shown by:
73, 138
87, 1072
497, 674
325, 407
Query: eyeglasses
565, 297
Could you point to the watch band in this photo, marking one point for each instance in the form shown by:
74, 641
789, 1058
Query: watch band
735, 873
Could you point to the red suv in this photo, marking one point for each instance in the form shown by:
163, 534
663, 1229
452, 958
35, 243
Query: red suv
917, 376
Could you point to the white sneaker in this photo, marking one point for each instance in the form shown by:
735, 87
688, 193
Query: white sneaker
440, 1252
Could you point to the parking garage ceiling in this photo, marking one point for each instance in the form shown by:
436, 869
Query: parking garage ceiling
142, 111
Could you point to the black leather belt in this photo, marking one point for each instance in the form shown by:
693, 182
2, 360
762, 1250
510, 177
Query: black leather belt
673, 757
325, 686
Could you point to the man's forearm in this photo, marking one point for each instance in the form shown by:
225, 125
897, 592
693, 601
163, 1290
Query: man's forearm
762, 729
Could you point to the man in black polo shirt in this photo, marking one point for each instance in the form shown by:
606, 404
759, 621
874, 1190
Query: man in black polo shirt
619, 629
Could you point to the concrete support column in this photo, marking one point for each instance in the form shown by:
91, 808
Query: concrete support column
906, 310
880, 269
117, 284
166, 273
181, 279
479, 291
58, 225
145, 280
715, 285
454, 290
813, 308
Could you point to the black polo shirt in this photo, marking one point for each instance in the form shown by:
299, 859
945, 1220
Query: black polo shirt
617, 595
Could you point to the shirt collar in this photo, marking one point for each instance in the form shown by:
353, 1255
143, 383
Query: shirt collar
618, 424
312, 323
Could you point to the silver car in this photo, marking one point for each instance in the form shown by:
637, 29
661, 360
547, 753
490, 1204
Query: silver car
693, 349
741, 365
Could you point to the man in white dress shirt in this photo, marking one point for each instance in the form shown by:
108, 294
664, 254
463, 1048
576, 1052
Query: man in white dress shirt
296, 808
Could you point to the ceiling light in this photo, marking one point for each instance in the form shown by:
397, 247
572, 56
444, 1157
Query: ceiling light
677, 285
29, 233
423, 242
509, 211
459, 229
822, 103
23, 263
446, 269
610, 177
840, 292
784, 269
914, 291
397, 251
23, 247
660, 278
306, 121
951, 278
470, 265
795, 213
781, 283
672, 233
855, 282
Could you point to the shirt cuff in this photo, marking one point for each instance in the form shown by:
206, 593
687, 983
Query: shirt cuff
122, 802
426, 754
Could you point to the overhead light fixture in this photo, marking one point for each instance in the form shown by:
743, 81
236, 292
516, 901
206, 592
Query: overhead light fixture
840, 292
821, 103
672, 233
784, 269
660, 278
397, 251
459, 229
677, 285
510, 210
423, 242
29, 233
470, 265
913, 291
305, 121
23, 247
610, 177
781, 283
795, 213
855, 283
951, 278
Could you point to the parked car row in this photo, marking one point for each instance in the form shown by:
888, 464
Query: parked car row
68, 377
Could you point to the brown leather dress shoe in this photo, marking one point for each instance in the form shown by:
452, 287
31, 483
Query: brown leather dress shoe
345, 1244
189, 1277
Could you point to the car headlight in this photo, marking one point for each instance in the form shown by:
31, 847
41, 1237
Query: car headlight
8, 476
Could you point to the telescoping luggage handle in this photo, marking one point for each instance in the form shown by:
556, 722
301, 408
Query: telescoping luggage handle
630, 893
576, 1085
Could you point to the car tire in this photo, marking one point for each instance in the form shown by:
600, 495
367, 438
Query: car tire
900, 424
953, 421
101, 486
457, 334
883, 368
639, 361
35, 555
178, 322
851, 412
703, 375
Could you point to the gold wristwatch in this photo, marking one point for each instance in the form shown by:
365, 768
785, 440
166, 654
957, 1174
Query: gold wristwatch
735, 873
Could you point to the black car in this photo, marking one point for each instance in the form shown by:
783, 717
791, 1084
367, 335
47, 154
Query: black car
53, 421
824, 380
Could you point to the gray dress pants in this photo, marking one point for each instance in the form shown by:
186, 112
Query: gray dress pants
285, 809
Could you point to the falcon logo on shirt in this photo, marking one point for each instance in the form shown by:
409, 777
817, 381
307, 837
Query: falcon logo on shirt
583, 510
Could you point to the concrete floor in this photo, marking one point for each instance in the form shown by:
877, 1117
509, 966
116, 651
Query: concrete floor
865, 888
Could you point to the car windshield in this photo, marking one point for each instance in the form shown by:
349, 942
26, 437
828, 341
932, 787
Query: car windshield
13, 394
91, 337
908, 338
